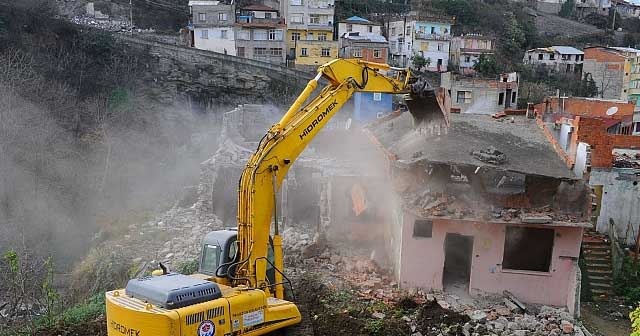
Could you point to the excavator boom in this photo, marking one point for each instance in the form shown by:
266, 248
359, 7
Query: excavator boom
239, 289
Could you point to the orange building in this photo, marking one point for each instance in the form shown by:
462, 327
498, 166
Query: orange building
366, 46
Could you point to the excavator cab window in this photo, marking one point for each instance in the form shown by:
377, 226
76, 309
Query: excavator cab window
210, 259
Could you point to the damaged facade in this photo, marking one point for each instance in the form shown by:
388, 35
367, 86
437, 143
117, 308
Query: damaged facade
595, 138
481, 95
488, 206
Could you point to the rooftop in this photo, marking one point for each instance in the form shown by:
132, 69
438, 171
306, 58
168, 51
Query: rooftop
358, 36
358, 20
564, 50
259, 7
524, 144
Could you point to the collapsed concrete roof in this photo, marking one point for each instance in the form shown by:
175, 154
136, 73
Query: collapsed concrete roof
524, 144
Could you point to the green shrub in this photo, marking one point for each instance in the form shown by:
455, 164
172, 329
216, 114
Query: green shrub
86, 311
188, 267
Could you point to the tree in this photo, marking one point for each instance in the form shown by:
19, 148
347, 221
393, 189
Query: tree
486, 66
420, 62
566, 11
588, 86
513, 38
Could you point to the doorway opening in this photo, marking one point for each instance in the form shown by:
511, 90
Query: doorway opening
458, 252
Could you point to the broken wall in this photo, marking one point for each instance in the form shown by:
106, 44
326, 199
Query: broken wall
620, 201
422, 260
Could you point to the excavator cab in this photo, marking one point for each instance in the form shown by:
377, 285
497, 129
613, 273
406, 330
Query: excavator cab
219, 257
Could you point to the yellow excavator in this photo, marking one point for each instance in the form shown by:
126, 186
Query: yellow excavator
239, 287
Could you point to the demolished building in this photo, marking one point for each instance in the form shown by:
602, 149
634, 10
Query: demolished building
488, 206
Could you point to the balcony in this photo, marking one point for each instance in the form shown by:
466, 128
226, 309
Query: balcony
320, 26
435, 37
250, 21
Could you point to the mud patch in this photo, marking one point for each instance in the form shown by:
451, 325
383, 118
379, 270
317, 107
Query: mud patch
435, 320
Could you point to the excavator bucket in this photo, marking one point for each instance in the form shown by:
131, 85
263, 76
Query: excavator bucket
429, 106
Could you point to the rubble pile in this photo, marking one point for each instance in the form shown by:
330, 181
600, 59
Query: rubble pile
172, 238
626, 161
428, 203
108, 25
490, 155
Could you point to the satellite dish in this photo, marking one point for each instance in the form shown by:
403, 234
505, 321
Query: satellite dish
612, 110
347, 125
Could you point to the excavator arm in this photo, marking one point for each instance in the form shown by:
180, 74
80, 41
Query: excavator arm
283, 143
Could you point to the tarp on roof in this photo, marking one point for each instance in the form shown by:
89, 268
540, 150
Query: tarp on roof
357, 19
567, 50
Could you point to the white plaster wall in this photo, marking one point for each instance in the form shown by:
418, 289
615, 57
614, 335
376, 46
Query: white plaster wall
214, 42
581, 159
565, 129
620, 202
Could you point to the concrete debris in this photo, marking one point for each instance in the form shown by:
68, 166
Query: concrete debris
490, 155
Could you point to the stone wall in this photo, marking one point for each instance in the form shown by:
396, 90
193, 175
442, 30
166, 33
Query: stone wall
215, 78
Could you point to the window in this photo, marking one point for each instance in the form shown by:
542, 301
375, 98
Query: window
376, 53
272, 34
393, 31
210, 256
529, 58
259, 51
295, 36
314, 18
528, 249
357, 52
223, 34
260, 35
243, 34
370, 29
204, 34
268, 15
322, 36
377, 96
463, 97
408, 30
433, 30
422, 228
349, 27
326, 52
296, 18
513, 97
296, 2
501, 98
540, 57
202, 17
303, 52
275, 51
222, 16
240, 51
467, 59
439, 46
552, 56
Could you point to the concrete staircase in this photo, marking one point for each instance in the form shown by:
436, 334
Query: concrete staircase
596, 250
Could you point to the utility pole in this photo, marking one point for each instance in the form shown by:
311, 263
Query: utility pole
613, 25
131, 14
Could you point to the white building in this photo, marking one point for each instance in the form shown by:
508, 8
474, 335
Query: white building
213, 26
356, 24
428, 37
556, 58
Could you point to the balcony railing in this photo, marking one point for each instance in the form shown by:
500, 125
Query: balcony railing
242, 19
438, 37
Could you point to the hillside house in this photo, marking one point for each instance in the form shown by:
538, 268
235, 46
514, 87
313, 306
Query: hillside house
481, 95
260, 34
429, 37
466, 51
490, 203
357, 24
556, 58
213, 25
615, 70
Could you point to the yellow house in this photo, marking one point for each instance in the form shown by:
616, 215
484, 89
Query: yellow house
314, 52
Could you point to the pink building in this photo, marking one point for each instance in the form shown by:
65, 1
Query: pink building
489, 206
